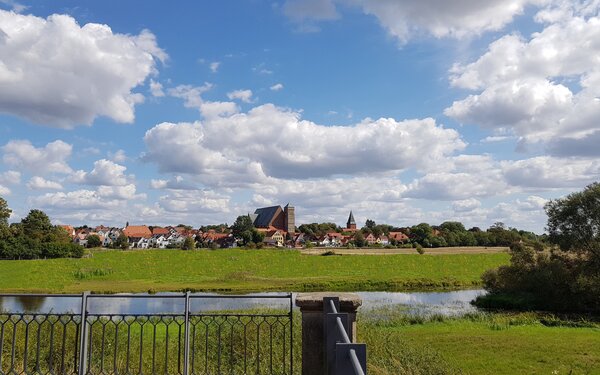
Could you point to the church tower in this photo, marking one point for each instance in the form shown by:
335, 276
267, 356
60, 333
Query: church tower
289, 218
351, 224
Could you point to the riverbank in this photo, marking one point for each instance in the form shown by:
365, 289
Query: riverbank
480, 343
235, 270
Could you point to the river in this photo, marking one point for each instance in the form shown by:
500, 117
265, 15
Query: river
444, 303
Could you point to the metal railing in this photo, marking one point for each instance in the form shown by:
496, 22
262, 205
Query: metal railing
342, 357
186, 342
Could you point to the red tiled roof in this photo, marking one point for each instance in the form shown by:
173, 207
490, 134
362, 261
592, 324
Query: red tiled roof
137, 231
159, 230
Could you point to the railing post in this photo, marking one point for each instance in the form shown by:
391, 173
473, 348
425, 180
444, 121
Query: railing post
311, 308
83, 337
186, 345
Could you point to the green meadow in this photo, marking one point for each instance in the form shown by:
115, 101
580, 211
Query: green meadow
481, 343
236, 270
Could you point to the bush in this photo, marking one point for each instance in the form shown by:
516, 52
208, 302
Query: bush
61, 250
420, 249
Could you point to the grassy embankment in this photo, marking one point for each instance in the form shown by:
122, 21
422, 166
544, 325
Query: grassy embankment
524, 343
244, 270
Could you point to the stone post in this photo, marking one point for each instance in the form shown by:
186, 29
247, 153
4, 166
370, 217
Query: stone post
311, 308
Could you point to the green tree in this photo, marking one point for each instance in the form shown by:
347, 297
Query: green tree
93, 240
4, 212
36, 224
452, 226
359, 239
242, 228
188, 244
566, 278
574, 222
422, 234
370, 224
122, 242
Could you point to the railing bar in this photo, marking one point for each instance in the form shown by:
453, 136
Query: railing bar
116, 347
37, 351
64, 343
167, 349
83, 335
291, 335
14, 344
245, 348
219, 349
186, 348
193, 347
342, 330
271, 348
127, 361
258, 348
154, 350
179, 348
231, 351
358, 370
332, 306
206, 349
2, 339
102, 348
90, 348
141, 346
26, 345
51, 355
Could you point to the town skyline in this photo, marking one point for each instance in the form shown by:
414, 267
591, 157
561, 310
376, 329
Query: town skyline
194, 112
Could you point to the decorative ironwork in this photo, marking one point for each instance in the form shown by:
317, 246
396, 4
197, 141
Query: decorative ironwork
182, 343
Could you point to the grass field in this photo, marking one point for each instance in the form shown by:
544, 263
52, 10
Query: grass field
524, 343
384, 251
244, 270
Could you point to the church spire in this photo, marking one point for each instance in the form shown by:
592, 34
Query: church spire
351, 224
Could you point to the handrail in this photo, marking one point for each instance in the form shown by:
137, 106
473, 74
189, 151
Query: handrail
341, 355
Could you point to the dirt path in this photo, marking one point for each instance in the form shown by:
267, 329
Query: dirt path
434, 251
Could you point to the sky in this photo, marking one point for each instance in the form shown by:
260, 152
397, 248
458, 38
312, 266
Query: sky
197, 112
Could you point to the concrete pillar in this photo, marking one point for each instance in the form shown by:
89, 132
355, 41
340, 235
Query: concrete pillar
311, 307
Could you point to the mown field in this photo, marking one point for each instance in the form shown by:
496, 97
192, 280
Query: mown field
483, 343
244, 270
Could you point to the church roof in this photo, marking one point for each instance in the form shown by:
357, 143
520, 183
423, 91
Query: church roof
351, 219
265, 215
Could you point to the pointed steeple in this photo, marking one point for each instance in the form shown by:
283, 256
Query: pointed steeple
351, 224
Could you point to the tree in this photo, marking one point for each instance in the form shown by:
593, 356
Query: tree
574, 222
4, 212
370, 223
421, 234
36, 224
188, 244
566, 278
122, 242
359, 239
242, 228
93, 240
452, 226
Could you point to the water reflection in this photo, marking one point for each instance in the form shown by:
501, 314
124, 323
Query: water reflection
446, 303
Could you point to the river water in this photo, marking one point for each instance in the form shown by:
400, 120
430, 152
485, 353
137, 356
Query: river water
444, 303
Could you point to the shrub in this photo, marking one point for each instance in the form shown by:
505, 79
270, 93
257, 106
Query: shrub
420, 249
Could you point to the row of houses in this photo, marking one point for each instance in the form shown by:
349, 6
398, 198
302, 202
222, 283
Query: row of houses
144, 237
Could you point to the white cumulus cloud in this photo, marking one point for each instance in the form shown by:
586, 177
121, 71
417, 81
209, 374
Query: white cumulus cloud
55, 72
51, 158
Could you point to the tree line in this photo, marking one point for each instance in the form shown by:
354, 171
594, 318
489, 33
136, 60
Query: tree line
34, 237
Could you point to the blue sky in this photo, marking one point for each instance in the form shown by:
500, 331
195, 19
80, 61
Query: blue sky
197, 112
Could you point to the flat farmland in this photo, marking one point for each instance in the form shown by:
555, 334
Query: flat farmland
236, 270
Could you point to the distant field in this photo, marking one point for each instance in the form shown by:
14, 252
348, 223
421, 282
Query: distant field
434, 251
244, 270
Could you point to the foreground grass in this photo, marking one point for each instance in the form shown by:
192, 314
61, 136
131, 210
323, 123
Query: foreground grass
397, 344
523, 343
243, 270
